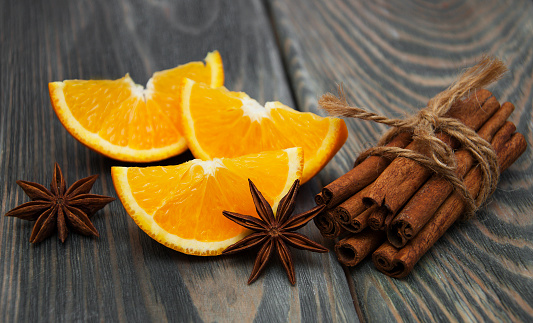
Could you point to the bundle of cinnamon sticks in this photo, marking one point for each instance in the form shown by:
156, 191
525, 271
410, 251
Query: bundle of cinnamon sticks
397, 209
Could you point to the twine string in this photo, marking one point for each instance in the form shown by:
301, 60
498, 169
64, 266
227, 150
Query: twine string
435, 154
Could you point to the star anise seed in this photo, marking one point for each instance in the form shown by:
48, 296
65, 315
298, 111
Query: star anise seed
273, 233
60, 208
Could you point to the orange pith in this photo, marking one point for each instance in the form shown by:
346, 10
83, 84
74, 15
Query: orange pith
220, 123
124, 121
181, 206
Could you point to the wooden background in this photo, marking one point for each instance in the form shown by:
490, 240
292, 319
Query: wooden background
391, 56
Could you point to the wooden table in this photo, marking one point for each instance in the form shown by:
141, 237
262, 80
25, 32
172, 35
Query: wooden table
392, 56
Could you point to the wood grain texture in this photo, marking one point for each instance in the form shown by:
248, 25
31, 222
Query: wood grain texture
124, 276
392, 56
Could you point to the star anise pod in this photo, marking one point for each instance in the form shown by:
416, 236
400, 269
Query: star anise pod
59, 207
274, 233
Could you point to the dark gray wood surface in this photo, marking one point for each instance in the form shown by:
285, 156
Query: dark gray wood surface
392, 56
124, 275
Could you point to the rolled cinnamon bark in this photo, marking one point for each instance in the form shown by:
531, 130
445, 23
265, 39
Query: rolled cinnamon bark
503, 135
361, 221
494, 124
388, 221
319, 199
399, 262
377, 218
361, 175
393, 188
354, 248
349, 209
423, 204
349, 227
329, 228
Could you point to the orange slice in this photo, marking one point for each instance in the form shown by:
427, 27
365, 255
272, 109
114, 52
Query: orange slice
181, 206
220, 123
124, 121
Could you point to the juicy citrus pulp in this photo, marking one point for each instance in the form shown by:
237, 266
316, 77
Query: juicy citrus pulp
181, 206
220, 123
124, 121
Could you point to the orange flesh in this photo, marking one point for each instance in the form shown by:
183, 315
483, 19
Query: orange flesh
168, 85
127, 115
214, 109
187, 203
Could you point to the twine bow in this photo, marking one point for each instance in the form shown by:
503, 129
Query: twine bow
437, 155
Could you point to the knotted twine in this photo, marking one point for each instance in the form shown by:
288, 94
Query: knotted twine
436, 155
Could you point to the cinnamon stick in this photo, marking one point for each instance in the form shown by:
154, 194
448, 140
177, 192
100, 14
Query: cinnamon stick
352, 207
423, 204
349, 227
404, 176
361, 221
399, 262
361, 175
329, 228
388, 221
354, 248
319, 199
377, 218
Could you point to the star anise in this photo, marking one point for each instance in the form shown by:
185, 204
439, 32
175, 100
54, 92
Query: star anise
59, 207
274, 232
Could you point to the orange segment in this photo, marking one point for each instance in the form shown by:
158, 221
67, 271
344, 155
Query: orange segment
124, 121
220, 123
165, 86
181, 206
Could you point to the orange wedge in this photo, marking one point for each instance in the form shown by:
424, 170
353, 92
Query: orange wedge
181, 206
123, 120
220, 123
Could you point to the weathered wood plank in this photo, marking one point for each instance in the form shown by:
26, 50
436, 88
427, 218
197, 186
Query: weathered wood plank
392, 56
124, 275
